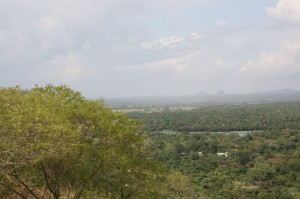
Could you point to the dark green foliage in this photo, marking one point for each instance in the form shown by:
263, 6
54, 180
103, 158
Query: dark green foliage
259, 165
262, 163
225, 118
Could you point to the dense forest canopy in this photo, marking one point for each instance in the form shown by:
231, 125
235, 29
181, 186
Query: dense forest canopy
258, 165
224, 118
261, 142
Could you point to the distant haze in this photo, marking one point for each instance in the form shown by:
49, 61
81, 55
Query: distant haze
129, 48
201, 99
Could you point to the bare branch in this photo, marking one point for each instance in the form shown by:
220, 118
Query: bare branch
26, 187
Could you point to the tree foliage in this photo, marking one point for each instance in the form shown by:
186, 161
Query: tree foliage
54, 143
239, 117
259, 164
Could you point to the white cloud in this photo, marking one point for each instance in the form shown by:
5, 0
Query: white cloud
286, 10
164, 42
219, 62
195, 35
147, 45
14, 44
175, 64
67, 68
71, 12
51, 32
172, 41
284, 61
189, 67
50, 22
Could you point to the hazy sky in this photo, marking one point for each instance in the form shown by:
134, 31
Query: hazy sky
119, 48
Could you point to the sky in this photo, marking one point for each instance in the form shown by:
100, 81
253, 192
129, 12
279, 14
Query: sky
129, 48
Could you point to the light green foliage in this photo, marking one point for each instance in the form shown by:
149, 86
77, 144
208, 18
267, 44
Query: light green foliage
56, 144
179, 187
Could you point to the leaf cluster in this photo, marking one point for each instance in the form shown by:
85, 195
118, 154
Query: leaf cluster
54, 143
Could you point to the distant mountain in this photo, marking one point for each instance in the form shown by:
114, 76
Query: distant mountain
203, 98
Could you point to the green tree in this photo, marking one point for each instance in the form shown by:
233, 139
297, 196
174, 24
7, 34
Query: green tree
179, 187
262, 174
54, 143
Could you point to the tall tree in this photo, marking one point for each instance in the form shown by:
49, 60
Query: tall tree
55, 143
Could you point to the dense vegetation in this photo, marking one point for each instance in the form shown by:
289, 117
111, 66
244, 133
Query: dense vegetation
260, 164
224, 118
56, 144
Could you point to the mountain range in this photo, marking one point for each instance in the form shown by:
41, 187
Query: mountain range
203, 98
